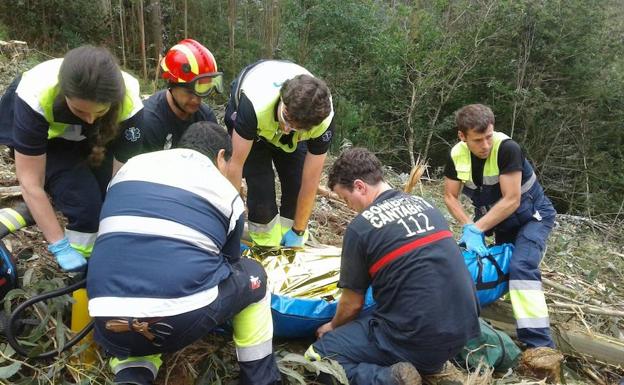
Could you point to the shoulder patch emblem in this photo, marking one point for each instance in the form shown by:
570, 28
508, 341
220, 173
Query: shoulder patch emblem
326, 137
132, 134
254, 282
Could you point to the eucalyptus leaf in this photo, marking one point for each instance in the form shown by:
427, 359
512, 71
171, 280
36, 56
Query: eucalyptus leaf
9, 371
8, 350
12, 294
27, 277
293, 374
60, 332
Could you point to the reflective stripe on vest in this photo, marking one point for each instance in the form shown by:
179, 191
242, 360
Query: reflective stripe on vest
39, 88
253, 330
463, 165
261, 85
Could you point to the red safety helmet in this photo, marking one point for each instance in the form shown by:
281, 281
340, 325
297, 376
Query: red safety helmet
191, 65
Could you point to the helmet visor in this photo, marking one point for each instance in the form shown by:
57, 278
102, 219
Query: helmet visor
205, 84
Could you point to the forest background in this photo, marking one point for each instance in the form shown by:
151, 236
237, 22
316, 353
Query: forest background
552, 70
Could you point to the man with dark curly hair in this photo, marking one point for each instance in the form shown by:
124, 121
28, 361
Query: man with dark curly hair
278, 114
401, 246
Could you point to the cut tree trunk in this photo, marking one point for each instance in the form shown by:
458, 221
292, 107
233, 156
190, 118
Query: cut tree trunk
578, 343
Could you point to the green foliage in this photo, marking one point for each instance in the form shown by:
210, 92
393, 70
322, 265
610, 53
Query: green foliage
552, 71
56, 25
4, 32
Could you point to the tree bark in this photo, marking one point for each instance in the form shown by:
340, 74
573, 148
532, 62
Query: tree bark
185, 19
156, 27
142, 36
523, 63
122, 33
271, 30
231, 24
572, 342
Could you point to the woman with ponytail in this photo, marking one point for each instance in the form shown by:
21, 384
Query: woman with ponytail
62, 120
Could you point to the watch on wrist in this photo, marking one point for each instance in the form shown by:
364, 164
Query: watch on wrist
298, 232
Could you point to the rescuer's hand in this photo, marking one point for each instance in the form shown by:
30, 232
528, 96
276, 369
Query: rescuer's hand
67, 257
474, 239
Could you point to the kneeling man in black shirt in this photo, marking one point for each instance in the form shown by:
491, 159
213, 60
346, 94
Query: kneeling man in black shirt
400, 245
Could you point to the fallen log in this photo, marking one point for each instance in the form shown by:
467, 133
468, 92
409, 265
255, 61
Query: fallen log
10, 191
592, 346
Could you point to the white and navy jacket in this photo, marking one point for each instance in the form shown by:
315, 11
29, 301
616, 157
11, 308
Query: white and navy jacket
169, 229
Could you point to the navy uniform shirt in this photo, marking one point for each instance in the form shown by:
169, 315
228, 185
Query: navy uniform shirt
161, 128
402, 247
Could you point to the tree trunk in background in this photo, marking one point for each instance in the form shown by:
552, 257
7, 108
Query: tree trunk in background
524, 54
132, 32
231, 24
142, 35
123, 35
156, 27
107, 9
271, 26
44, 26
185, 19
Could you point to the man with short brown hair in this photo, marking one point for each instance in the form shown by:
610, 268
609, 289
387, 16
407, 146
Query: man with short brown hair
279, 114
490, 168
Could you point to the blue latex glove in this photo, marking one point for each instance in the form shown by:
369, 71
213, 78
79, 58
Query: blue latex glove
290, 239
243, 248
67, 257
474, 240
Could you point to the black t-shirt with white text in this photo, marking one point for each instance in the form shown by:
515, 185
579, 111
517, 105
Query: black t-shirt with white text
401, 245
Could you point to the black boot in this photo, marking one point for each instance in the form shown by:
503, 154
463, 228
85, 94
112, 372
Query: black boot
134, 376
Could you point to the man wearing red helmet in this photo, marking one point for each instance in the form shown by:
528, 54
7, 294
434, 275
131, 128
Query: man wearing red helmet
279, 115
191, 72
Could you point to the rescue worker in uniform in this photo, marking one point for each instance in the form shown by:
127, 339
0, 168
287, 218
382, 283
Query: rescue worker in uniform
166, 266
401, 246
191, 73
492, 171
278, 114
60, 118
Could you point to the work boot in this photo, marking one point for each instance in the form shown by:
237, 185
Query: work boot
449, 375
134, 376
404, 373
541, 362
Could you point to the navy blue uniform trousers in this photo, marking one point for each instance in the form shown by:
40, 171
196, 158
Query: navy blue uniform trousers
77, 189
529, 242
186, 328
366, 352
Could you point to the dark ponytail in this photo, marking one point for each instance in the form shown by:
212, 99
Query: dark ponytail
92, 73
